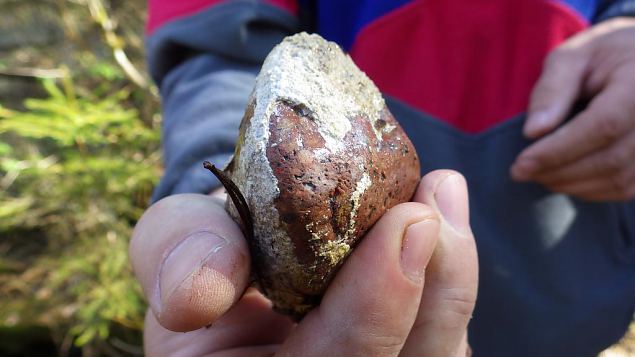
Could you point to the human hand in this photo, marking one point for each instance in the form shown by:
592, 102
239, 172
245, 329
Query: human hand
593, 155
390, 297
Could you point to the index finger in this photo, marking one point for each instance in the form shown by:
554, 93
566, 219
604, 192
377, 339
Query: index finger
191, 260
451, 277
607, 118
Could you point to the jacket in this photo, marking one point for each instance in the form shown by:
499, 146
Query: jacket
557, 274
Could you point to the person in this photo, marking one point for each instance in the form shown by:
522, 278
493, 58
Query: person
532, 101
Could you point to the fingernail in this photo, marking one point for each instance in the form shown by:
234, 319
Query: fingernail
417, 248
538, 122
452, 200
186, 258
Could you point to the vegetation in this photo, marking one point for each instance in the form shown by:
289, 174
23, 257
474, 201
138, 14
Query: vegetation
77, 167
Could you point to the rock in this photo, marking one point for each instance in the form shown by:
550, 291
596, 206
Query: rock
319, 160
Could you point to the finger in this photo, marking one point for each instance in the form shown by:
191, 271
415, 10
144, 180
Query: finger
599, 164
450, 291
619, 187
557, 89
608, 117
191, 260
369, 308
250, 327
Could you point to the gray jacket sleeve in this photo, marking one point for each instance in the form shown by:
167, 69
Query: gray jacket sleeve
205, 66
613, 8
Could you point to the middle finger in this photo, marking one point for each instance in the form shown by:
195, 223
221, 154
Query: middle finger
601, 163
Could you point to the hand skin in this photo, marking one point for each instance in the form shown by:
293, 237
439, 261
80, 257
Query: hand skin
408, 289
593, 155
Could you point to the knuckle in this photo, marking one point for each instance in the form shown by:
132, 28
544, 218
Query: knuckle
542, 94
556, 56
382, 343
404, 208
629, 147
630, 193
460, 305
455, 309
550, 159
619, 22
609, 127
563, 55
624, 185
376, 341
600, 166
366, 326
615, 160
620, 184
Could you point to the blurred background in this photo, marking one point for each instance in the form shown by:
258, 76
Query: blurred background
79, 140
79, 156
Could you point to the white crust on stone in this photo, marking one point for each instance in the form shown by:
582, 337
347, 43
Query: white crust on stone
306, 69
362, 185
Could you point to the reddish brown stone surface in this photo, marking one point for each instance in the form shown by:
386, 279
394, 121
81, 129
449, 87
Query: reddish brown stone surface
316, 185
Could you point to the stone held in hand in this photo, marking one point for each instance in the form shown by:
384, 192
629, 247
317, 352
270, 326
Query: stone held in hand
318, 161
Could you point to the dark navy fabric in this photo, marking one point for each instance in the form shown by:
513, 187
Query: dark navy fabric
557, 275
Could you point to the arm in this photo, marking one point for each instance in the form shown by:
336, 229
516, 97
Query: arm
205, 64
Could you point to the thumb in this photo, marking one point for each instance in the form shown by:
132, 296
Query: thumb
556, 91
190, 259
452, 273
371, 305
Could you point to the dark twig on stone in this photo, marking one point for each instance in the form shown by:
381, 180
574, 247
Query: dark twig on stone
237, 198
